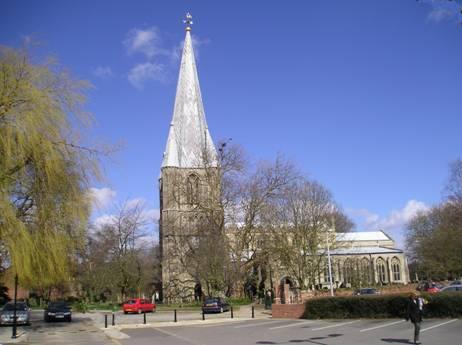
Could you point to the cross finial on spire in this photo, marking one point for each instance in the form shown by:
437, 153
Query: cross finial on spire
188, 21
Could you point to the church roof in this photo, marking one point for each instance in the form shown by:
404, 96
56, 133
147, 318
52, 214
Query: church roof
362, 236
189, 144
364, 250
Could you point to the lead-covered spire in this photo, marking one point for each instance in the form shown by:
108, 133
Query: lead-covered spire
189, 144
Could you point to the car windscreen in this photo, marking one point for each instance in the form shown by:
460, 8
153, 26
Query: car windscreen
211, 300
58, 305
132, 301
19, 306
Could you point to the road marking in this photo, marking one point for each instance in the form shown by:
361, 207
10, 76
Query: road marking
336, 325
381, 326
115, 341
292, 324
178, 336
440, 324
259, 324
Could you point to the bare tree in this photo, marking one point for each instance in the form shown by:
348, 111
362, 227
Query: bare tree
300, 224
453, 189
116, 255
194, 238
247, 230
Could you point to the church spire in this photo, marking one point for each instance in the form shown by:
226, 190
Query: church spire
189, 144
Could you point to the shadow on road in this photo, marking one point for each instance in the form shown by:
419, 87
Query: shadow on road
311, 340
399, 341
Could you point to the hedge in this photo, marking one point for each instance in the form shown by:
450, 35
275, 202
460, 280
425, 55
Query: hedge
386, 306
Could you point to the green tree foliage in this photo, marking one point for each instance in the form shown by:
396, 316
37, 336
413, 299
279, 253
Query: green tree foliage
44, 170
434, 238
435, 241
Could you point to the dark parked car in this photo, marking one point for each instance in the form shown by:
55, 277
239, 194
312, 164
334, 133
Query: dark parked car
215, 305
58, 310
366, 291
22, 314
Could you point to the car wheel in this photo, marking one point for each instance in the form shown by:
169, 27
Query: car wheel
125, 312
69, 319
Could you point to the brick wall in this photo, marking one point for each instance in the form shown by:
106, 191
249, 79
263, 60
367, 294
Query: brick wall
288, 311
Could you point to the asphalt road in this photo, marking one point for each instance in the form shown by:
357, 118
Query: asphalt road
220, 329
320, 332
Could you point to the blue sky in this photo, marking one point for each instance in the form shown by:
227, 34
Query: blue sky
365, 96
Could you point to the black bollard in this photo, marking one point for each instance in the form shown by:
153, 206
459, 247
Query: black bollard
105, 320
144, 317
253, 312
174, 315
232, 315
203, 315
113, 319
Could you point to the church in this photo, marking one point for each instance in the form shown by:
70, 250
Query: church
190, 212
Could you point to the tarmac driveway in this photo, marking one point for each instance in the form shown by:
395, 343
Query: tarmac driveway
78, 332
319, 332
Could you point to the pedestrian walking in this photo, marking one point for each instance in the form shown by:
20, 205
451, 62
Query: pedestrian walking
414, 313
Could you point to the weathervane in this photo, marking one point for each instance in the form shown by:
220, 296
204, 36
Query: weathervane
188, 21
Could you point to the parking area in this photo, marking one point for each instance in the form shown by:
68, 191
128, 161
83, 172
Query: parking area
80, 331
321, 332
120, 319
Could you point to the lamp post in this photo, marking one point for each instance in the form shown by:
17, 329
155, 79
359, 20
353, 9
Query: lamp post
329, 264
15, 321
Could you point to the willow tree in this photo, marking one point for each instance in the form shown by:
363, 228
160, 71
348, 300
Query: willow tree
44, 168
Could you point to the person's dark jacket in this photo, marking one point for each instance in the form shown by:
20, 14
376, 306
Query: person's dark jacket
413, 311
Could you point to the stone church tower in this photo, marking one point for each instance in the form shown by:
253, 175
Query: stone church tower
188, 184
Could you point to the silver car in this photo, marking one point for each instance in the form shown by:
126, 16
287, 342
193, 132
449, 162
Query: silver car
452, 288
22, 314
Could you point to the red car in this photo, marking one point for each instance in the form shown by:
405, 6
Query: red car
138, 305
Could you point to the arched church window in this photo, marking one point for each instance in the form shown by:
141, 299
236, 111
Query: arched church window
192, 189
381, 270
365, 271
395, 267
348, 271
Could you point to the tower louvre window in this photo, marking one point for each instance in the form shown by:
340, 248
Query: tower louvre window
192, 189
